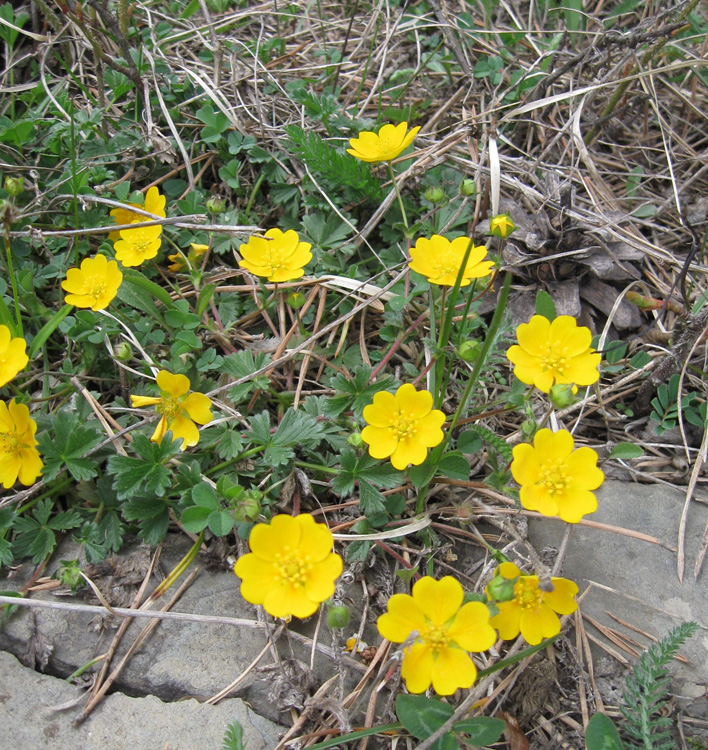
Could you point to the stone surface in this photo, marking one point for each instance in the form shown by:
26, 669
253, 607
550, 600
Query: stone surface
31, 718
647, 592
179, 659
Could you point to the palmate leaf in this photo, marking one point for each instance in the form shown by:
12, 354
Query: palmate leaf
371, 476
35, 533
355, 393
147, 472
297, 429
67, 446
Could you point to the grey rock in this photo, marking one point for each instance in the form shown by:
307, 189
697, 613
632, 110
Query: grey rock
31, 718
645, 588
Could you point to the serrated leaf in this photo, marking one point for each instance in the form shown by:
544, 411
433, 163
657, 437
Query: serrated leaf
422, 716
152, 515
626, 450
67, 446
370, 499
145, 473
355, 393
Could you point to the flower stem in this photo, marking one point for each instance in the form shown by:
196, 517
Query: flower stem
13, 282
472, 381
398, 194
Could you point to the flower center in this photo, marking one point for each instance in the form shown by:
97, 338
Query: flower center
405, 426
555, 360
436, 637
294, 567
168, 406
277, 261
96, 288
10, 442
553, 478
527, 594
449, 265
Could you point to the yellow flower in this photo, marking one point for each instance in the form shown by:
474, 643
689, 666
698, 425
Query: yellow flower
94, 284
154, 204
403, 426
555, 479
135, 246
196, 251
439, 260
438, 630
13, 355
19, 458
179, 410
532, 612
386, 145
291, 567
554, 352
501, 226
280, 257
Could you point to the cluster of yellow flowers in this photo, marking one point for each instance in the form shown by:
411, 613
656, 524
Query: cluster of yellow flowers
19, 459
291, 569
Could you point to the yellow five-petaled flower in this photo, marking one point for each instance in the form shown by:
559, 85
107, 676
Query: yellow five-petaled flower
532, 611
440, 260
555, 479
94, 284
291, 568
179, 408
438, 630
154, 204
135, 246
279, 256
19, 459
402, 426
391, 141
13, 355
554, 352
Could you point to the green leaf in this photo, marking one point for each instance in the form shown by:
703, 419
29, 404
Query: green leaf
482, 730
601, 734
195, 518
422, 474
469, 442
242, 364
221, 522
355, 393
47, 330
152, 515
296, 429
455, 466
146, 472
422, 716
626, 450
545, 305
205, 295
137, 279
67, 446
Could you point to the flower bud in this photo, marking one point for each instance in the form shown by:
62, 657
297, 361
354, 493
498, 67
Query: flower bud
248, 506
562, 395
500, 589
501, 226
468, 188
435, 195
338, 617
216, 205
528, 429
468, 351
14, 185
355, 440
296, 300
124, 351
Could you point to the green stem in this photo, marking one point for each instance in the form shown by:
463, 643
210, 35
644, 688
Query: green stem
181, 566
398, 194
316, 467
472, 381
13, 282
254, 192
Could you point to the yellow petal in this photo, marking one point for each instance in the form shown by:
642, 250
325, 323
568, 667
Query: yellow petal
417, 668
257, 577
315, 538
403, 618
525, 467
574, 504
140, 401
566, 333
452, 669
321, 578
583, 369
383, 412
507, 621
539, 624
183, 427
508, 570
10, 465
281, 536
537, 497
160, 431
561, 599
533, 336
173, 385
429, 433
413, 404
553, 445
439, 600
197, 405
471, 629
382, 441
287, 600
408, 451
582, 466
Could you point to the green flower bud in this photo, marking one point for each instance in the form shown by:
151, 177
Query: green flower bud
435, 195
500, 589
248, 506
355, 440
468, 351
296, 300
468, 188
528, 429
124, 351
562, 395
501, 226
14, 185
216, 205
338, 617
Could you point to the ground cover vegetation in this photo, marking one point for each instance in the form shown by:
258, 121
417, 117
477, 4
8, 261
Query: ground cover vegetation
334, 286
